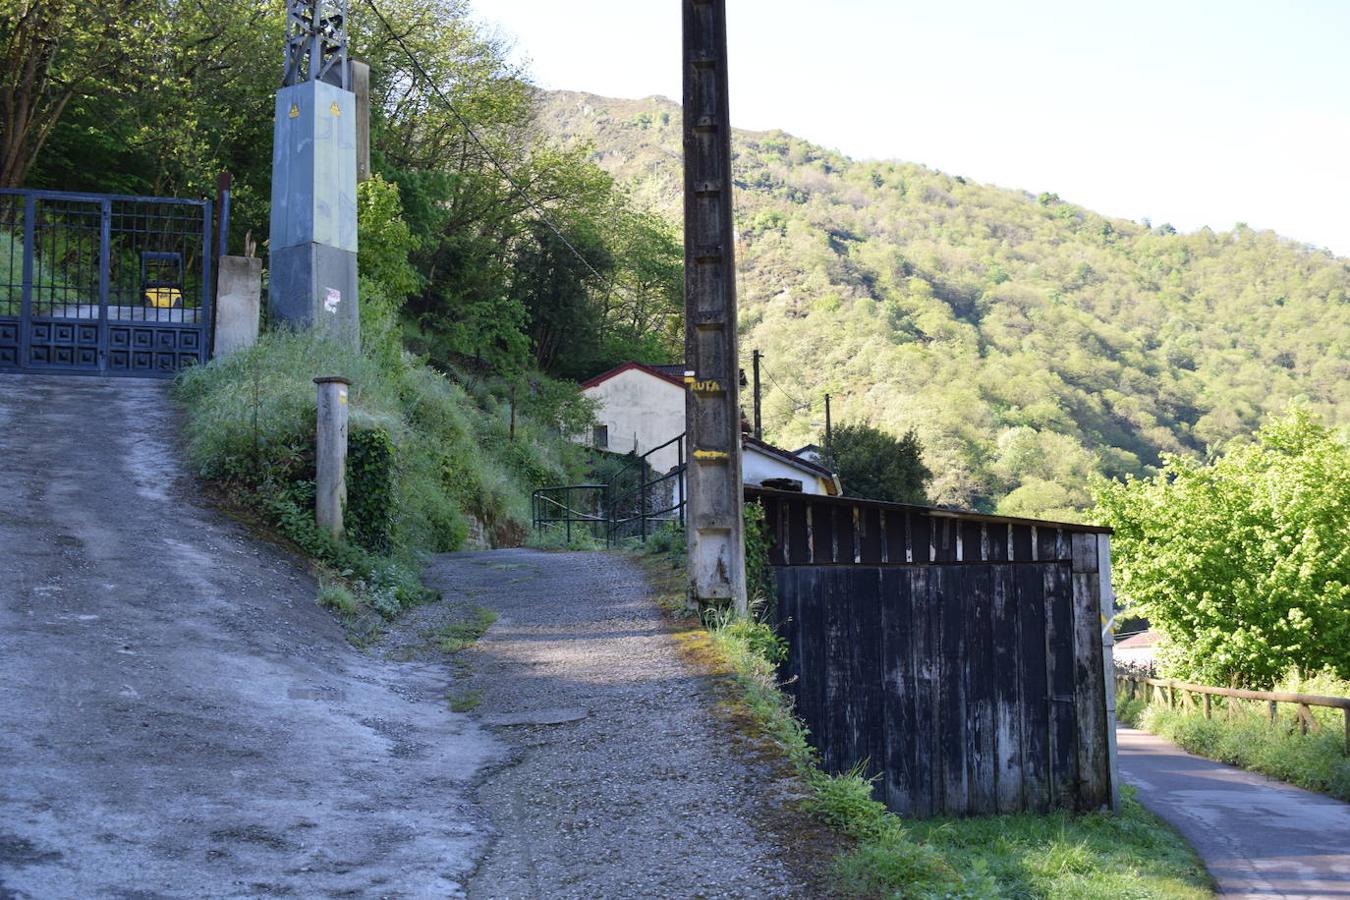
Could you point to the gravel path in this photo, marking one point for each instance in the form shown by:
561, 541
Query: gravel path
178, 718
1258, 837
622, 783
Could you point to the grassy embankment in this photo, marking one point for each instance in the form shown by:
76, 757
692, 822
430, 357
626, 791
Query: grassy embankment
873, 853
429, 456
1240, 733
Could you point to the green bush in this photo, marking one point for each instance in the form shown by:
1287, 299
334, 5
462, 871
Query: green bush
372, 489
759, 586
423, 454
1244, 563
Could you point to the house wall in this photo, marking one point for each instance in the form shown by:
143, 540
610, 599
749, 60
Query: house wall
1136, 656
641, 412
758, 465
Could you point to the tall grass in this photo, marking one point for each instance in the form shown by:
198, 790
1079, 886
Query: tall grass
250, 426
1240, 733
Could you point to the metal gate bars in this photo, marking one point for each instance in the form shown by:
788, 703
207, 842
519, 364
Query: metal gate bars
103, 285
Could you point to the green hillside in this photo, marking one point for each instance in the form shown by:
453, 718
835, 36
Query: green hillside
1030, 342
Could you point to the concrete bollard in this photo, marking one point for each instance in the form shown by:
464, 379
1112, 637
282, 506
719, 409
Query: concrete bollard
330, 497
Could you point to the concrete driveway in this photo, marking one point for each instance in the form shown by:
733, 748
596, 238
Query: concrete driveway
177, 716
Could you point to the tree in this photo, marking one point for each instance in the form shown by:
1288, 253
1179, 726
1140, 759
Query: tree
54, 51
879, 466
1244, 564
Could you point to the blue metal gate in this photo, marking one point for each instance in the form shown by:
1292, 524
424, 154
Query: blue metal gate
103, 285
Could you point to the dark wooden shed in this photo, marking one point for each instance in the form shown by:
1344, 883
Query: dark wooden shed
958, 657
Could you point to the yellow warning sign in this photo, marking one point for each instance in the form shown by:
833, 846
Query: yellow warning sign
295, 111
335, 109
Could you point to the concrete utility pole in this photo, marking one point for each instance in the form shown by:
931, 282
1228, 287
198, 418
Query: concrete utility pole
755, 357
313, 234
712, 405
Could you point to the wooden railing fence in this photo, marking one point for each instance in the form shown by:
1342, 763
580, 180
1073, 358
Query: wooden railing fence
1302, 702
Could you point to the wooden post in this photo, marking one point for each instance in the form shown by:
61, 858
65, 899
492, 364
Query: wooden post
1346, 713
1274, 711
331, 454
1094, 702
755, 357
712, 371
829, 429
1208, 712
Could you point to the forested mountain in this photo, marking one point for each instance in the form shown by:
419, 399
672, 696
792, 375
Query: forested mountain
1029, 341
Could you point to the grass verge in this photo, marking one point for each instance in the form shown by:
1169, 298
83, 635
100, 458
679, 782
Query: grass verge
872, 852
1241, 735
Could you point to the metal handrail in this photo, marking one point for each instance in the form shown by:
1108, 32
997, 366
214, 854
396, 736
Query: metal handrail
546, 509
1303, 701
643, 488
543, 505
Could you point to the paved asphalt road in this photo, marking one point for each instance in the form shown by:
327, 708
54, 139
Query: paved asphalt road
1257, 837
177, 716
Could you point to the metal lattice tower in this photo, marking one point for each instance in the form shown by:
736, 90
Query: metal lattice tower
316, 42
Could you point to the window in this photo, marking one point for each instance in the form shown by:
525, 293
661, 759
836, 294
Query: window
600, 439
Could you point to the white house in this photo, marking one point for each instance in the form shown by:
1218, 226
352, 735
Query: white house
641, 407
1139, 650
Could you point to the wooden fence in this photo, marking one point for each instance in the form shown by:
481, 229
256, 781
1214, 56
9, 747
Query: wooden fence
1302, 702
958, 657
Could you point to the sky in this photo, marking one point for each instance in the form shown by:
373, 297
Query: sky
1191, 112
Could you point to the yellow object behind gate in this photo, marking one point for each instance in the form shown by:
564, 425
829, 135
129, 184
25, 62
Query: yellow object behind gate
163, 297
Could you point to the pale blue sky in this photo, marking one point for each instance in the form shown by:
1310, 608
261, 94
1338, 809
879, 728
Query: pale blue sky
1194, 112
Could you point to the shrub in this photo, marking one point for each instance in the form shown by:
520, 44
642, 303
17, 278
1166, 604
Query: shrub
1244, 564
423, 454
371, 489
874, 464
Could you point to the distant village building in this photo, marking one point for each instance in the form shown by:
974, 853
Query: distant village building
1138, 651
641, 407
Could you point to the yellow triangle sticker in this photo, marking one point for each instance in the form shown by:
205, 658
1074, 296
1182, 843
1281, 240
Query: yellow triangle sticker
335, 109
295, 111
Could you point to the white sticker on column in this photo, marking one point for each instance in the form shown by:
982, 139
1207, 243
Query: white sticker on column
331, 299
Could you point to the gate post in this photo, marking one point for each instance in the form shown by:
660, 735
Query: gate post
330, 496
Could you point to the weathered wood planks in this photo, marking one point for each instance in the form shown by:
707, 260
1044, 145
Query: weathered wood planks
956, 657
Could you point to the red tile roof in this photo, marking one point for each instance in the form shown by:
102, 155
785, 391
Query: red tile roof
654, 371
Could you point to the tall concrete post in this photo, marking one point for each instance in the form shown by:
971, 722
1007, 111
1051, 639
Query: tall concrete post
330, 496
712, 404
313, 231
361, 88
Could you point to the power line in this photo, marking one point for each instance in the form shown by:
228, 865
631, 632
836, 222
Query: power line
496, 163
796, 404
